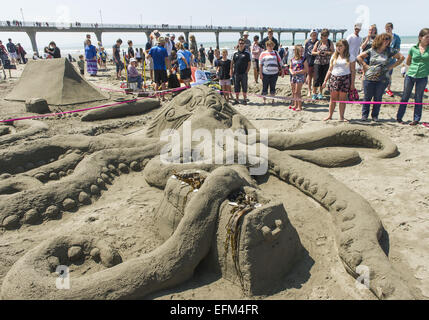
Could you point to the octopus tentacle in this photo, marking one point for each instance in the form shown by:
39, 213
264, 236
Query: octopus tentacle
357, 226
89, 177
29, 128
354, 135
168, 265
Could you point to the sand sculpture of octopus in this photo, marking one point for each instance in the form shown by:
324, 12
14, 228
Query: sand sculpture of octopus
45, 180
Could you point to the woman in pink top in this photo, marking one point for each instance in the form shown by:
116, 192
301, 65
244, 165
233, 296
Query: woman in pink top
256, 52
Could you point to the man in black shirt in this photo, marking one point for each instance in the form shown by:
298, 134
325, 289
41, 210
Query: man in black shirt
210, 55
270, 37
239, 69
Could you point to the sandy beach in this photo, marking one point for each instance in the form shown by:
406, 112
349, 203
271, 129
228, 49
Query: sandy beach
396, 189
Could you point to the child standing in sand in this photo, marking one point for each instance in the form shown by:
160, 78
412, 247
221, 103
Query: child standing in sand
341, 76
298, 71
224, 71
81, 64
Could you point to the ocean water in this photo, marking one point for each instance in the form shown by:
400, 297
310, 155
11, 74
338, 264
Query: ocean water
406, 43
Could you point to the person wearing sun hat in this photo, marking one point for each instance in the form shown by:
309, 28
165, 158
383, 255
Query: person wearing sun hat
247, 43
133, 73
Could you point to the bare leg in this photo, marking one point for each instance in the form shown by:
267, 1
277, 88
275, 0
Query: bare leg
332, 104
342, 97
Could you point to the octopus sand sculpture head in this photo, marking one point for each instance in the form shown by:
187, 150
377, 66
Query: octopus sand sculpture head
210, 212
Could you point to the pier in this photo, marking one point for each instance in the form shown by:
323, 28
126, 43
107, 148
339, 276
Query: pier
32, 28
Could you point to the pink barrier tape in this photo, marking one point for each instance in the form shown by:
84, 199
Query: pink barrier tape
92, 108
310, 100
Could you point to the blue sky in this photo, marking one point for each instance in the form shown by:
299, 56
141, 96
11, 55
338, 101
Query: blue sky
408, 16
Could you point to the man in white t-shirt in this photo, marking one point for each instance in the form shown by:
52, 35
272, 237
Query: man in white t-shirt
355, 41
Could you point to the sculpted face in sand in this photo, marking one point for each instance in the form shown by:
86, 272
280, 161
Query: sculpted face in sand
196, 216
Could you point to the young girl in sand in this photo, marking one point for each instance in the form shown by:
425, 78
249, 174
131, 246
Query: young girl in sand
223, 69
341, 76
298, 71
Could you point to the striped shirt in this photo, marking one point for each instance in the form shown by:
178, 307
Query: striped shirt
270, 62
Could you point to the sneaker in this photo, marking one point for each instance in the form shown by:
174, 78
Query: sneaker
364, 119
390, 93
414, 123
245, 102
314, 97
400, 121
320, 96
375, 119
235, 102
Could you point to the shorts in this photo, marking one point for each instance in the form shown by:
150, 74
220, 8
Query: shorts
13, 55
225, 82
160, 76
119, 66
299, 78
149, 64
185, 74
340, 83
240, 82
320, 71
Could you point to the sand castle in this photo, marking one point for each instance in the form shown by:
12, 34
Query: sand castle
205, 207
56, 81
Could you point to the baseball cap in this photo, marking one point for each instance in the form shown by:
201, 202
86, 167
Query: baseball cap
314, 30
186, 46
172, 35
245, 33
167, 35
156, 33
358, 26
133, 60
161, 40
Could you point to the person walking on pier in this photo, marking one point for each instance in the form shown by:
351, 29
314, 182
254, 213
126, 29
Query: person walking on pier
240, 67
270, 37
91, 59
117, 58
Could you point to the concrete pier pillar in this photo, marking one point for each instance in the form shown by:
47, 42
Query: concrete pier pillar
262, 36
98, 35
148, 35
217, 39
306, 35
342, 35
186, 36
32, 35
279, 35
241, 34
335, 37
293, 38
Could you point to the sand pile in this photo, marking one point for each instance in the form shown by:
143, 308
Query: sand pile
55, 80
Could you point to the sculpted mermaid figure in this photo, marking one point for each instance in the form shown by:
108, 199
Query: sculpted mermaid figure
90, 164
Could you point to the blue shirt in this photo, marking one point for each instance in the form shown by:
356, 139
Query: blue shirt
396, 42
184, 54
158, 55
90, 52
